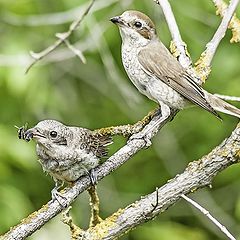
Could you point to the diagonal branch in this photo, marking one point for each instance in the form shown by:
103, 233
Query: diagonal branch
209, 216
228, 98
198, 174
234, 24
178, 46
37, 219
62, 38
204, 62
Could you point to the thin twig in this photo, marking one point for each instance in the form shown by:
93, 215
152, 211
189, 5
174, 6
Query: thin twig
234, 24
76, 51
220, 33
209, 216
204, 62
228, 98
59, 54
129, 129
62, 37
67, 219
179, 45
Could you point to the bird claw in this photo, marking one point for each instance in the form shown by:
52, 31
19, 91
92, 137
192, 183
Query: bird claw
93, 177
142, 136
57, 196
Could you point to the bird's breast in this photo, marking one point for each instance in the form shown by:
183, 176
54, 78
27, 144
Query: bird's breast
146, 83
67, 165
134, 71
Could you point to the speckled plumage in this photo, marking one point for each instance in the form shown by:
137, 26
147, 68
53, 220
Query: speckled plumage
73, 152
156, 73
146, 83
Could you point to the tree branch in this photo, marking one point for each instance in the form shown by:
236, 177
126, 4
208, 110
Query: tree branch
198, 174
62, 38
209, 216
228, 98
178, 46
37, 219
204, 62
234, 24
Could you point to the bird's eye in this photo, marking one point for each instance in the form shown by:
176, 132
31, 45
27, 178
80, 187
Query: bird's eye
138, 24
53, 134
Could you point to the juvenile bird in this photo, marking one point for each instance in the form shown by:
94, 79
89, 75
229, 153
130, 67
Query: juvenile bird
66, 152
156, 73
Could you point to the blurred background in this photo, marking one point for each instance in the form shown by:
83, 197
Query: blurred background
99, 94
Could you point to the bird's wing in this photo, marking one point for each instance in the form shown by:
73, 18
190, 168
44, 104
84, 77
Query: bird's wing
161, 64
93, 142
99, 144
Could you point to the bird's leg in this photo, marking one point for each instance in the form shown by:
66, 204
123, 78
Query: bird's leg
56, 195
155, 123
94, 204
93, 177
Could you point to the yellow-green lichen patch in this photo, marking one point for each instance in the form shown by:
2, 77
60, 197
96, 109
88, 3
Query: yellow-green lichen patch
76, 232
102, 229
234, 25
174, 49
35, 214
202, 68
237, 155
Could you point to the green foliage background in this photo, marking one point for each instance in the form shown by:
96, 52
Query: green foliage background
99, 94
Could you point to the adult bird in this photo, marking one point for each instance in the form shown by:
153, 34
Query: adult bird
156, 73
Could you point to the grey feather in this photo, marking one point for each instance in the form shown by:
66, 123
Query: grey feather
66, 152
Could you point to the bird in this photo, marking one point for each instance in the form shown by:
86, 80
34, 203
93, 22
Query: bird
156, 73
66, 152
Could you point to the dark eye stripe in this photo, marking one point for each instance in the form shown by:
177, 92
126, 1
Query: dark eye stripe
61, 141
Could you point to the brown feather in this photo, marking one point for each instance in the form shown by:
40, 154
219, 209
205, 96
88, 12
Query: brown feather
96, 143
158, 61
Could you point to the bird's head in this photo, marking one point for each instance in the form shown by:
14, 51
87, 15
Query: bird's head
135, 26
48, 133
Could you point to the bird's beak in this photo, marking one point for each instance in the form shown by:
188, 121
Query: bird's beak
117, 20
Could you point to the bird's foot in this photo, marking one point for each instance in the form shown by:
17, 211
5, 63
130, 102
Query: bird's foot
93, 177
142, 135
57, 196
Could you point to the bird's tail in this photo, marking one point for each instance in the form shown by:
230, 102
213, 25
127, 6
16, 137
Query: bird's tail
221, 106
